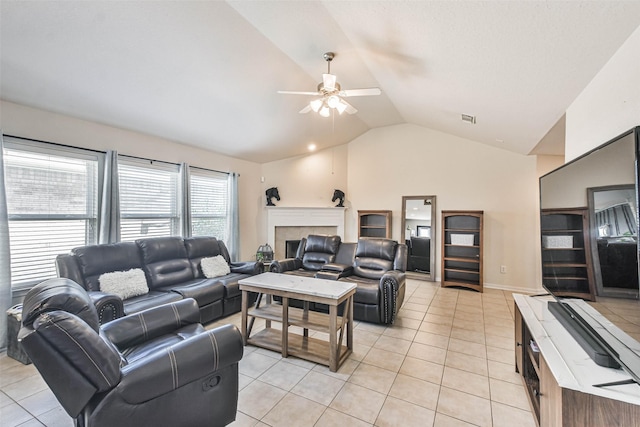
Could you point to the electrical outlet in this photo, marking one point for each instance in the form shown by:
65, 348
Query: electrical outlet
503, 269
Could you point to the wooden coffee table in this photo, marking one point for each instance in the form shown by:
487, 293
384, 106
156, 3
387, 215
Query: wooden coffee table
307, 289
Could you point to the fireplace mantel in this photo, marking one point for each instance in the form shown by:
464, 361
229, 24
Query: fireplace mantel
303, 217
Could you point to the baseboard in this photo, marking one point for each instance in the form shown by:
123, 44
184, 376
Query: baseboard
525, 291
499, 287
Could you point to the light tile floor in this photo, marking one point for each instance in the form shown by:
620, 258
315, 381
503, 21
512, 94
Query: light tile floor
447, 361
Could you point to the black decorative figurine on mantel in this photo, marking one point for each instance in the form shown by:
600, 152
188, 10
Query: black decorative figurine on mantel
338, 194
271, 193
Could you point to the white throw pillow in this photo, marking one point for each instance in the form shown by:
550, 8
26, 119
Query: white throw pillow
125, 284
214, 267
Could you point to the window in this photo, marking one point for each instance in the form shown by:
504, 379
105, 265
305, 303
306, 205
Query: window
148, 199
209, 202
52, 199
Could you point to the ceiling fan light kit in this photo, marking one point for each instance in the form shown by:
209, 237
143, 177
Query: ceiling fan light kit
330, 94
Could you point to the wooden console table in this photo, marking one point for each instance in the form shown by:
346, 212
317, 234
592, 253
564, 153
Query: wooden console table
560, 378
307, 289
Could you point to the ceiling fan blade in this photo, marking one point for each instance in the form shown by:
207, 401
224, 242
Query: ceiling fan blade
350, 108
361, 92
289, 92
329, 81
306, 109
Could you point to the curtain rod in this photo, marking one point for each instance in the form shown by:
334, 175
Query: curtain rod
212, 170
100, 151
53, 143
171, 163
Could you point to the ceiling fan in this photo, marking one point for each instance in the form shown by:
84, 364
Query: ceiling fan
330, 95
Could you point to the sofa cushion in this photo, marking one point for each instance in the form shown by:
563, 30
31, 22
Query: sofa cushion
319, 250
125, 284
204, 291
95, 260
165, 261
162, 342
367, 292
214, 267
374, 257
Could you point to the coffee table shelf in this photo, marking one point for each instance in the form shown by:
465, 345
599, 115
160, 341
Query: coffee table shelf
297, 317
307, 348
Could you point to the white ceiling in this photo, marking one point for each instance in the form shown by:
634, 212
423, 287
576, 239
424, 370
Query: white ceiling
206, 72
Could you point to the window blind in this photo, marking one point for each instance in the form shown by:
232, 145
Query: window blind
149, 201
52, 195
209, 203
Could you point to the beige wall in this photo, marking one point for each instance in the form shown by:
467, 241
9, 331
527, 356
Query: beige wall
546, 163
388, 163
609, 105
28, 122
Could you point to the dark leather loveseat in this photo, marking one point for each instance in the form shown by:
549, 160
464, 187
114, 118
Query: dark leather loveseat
376, 266
157, 368
172, 268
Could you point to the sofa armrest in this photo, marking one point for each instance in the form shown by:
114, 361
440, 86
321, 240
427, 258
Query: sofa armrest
249, 267
390, 283
283, 265
197, 358
338, 268
108, 306
148, 324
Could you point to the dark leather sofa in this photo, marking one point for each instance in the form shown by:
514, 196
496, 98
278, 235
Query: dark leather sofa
172, 269
159, 367
376, 266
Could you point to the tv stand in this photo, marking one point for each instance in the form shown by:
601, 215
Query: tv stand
561, 380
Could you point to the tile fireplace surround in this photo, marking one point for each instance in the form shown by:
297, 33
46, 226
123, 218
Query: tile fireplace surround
293, 223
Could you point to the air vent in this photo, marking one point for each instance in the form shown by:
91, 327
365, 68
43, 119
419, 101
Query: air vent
469, 119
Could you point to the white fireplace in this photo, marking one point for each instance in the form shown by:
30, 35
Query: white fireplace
285, 223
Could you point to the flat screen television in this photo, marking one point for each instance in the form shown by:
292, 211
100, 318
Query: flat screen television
589, 239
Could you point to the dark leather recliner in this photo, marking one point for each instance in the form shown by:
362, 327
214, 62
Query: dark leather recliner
379, 271
313, 253
155, 367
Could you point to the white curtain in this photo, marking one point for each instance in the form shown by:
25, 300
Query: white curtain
233, 224
5, 260
185, 218
109, 229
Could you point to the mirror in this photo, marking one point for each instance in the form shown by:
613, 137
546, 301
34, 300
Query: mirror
418, 231
614, 239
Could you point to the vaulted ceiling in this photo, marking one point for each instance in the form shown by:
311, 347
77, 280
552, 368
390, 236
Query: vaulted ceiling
206, 73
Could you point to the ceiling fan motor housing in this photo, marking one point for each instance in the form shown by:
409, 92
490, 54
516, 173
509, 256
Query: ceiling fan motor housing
326, 91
